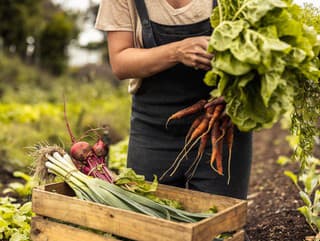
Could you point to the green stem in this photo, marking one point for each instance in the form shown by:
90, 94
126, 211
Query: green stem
220, 11
240, 10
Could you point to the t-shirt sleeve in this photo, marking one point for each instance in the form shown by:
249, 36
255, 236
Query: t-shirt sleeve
114, 15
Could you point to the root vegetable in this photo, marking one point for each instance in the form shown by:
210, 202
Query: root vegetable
215, 133
230, 136
194, 125
201, 129
100, 148
187, 111
213, 124
80, 150
89, 160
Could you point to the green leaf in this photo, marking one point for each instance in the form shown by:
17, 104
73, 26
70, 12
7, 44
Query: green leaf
246, 50
226, 62
256, 9
224, 35
19, 237
306, 212
3, 222
214, 18
292, 176
317, 197
269, 83
26, 209
304, 196
316, 221
136, 183
283, 160
22, 175
211, 77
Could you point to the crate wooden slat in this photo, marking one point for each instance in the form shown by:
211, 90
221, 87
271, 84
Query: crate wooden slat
46, 230
57, 201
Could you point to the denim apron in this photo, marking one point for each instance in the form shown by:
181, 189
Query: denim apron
152, 146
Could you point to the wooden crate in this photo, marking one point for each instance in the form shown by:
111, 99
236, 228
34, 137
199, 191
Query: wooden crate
57, 201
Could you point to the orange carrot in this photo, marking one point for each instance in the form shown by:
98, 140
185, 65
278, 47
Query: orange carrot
230, 136
214, 136
219, 157
193, 140
217, 101
216, 115
187, 111
203, 143
224, 126
194, 125
203, 126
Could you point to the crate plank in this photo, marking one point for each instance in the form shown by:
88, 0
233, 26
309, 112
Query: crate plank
111, 220
194, 202
49, 230
238, 236
56, 201
230, 219
46, 230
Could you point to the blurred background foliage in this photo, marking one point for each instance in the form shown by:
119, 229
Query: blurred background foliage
35, 74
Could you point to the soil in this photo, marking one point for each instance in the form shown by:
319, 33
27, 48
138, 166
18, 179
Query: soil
273, 199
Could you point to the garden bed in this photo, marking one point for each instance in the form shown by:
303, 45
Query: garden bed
273, 198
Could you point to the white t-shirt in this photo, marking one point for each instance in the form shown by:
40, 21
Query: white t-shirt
121, 15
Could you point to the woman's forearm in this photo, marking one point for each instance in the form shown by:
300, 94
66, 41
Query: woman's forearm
142, 63
129, 62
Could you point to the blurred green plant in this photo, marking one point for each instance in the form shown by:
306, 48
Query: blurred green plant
14, 220
118, 155
54, 39
23, 190
38, 31
307, 179
18, 20
31, 109
311, 16
308, 184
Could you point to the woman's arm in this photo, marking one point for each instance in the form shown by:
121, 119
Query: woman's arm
129, 62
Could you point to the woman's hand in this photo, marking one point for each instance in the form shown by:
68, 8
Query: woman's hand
193, 52
142, 63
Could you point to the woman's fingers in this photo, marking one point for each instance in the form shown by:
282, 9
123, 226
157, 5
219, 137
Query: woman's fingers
204, 54
193, 52
202, 61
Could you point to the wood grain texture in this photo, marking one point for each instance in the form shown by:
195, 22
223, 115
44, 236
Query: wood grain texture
46, 230
238, 236
53, 201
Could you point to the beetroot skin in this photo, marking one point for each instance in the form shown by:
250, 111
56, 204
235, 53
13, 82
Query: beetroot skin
80, 150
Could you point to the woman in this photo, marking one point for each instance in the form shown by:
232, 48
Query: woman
162, 45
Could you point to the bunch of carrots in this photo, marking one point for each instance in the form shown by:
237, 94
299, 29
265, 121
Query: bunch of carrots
211, 124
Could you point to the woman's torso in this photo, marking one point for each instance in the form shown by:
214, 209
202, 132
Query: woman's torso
180, 86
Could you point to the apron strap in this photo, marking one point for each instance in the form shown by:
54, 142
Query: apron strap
214, 4
147, 33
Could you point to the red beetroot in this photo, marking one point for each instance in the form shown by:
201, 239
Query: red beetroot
100, 148
80, 150
89, 160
